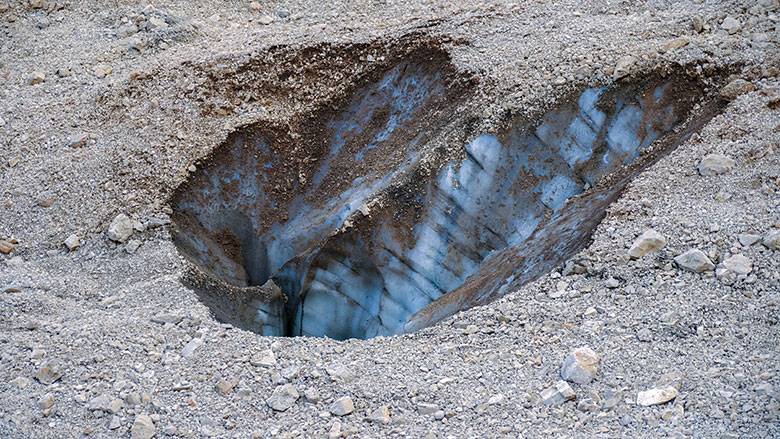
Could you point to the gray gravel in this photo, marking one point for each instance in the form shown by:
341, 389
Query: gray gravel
106, 107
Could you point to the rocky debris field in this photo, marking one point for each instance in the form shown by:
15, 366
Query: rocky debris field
666, 324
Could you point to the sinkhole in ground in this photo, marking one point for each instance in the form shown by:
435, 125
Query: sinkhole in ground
367, 231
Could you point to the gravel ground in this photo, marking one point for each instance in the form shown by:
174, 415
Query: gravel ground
98, 120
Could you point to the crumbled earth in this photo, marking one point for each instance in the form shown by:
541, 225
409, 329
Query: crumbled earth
106, 108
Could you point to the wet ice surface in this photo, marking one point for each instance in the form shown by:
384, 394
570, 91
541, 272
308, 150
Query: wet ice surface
375, 279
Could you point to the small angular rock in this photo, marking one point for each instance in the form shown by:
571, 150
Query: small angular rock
49, 372
225, 386
166, 318
557, 394
748, 239
715, 164
580, 366
649, 241
7, 246
736, 88
342, 406
78, 140
694, 260
37, 78
381, 415
72, 242
46, 402
623, 67
265, 358
190, 347
730, 25
425, 408
772, 240
105, 403
283, 398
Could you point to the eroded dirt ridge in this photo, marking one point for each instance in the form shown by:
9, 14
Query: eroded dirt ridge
350, 255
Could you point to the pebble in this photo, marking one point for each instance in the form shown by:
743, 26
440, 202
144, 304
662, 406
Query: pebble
645, 335
265, 20
72, 242
656, 395
37, 78
115, 422
675, 44
265, 358
166, 318
587, 405
380, 415
156, 23
694, 260
736, 88
648, 242
698, 24
78, 140
339, 372
105, 403
46, 402
143, 427
772, 240
126, 30
557, 394
49, 372
190, 347
342, 406
7, 246
20, 382
63, 72
283, 398
121, 228
225, 386
673, 379
496, 399
715, 164
425, 408
730, 25
580, 366
132, 246
102, 70
312, 395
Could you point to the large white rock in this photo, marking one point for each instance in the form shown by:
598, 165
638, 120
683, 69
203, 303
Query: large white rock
648, 242
694, 260
714, 164
121, 228
143, 427
657, 395
738, 264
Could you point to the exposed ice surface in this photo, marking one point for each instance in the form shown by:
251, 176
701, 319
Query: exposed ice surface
360, 285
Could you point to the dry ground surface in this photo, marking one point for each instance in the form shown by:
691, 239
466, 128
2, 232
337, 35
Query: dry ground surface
107, 106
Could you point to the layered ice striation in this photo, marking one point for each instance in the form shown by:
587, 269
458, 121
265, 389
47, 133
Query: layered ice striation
411, 262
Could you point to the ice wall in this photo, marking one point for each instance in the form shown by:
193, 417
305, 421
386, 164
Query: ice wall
495, 197
397, 269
